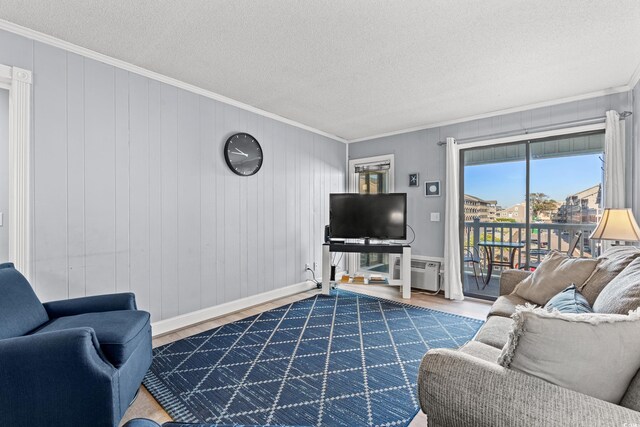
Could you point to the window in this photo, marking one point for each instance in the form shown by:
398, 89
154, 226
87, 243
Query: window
372, 175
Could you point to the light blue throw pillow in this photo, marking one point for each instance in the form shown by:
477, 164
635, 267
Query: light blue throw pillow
570, 300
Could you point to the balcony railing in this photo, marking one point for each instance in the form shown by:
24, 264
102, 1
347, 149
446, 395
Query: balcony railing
544, 238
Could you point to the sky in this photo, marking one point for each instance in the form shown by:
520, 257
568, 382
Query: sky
555, 177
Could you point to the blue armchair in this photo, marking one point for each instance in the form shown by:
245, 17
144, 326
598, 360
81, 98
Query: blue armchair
76, 362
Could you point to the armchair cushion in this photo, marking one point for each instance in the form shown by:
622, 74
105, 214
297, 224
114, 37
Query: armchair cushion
119, 332
20, 309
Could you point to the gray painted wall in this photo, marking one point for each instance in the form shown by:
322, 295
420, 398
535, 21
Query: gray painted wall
418, 152
131, 191
4, 173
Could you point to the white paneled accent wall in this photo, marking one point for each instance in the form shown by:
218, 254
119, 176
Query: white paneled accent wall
131, 191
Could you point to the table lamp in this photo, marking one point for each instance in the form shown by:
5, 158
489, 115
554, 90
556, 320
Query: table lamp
618, 225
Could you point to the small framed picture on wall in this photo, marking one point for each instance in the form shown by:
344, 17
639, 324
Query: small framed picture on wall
432, 188
414, 180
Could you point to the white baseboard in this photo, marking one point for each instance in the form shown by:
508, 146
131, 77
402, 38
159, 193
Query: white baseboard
165, 326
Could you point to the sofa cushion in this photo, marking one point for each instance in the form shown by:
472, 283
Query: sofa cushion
569, 300
118, 332
495, 331
555, 273
20, 309
612, 262
623, 293
631, 398
593, 354
506, 305
481, 351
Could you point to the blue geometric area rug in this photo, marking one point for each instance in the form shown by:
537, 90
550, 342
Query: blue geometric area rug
341, 360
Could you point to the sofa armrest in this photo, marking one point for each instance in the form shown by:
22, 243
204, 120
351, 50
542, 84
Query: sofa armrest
510, 278
457, 389
93, 304
57, 378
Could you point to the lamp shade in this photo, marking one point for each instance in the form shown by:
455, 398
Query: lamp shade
617, 224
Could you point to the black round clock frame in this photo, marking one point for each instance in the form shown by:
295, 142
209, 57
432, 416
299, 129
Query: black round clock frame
243, 154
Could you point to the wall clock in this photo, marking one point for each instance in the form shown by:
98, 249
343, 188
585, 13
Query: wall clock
243, 154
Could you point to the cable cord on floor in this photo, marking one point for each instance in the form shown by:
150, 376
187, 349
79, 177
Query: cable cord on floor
313, 274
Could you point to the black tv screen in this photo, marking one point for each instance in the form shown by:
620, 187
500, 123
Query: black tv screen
374, 216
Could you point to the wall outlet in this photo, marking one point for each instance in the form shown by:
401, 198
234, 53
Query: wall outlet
435, 216
306, 266
315, 266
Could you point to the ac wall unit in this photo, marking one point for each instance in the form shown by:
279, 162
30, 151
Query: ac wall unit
425, 274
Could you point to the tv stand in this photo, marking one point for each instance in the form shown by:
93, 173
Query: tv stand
405, 261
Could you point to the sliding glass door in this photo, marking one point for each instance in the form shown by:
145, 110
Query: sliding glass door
494, 188
522, 201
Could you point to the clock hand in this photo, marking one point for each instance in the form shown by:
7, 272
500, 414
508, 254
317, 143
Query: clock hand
242, 152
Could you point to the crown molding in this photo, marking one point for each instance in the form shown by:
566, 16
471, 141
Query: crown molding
70, 47
603, 92
88, 53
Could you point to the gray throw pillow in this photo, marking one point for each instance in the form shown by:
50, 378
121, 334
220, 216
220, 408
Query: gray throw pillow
569, 300
612, 262
555, 273
622, 294
593, 354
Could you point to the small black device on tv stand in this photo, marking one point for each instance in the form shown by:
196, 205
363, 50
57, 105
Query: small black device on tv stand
367, 240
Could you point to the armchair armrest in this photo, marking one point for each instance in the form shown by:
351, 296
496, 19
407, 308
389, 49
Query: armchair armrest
57, 378
510, 278
93, 304
457, 389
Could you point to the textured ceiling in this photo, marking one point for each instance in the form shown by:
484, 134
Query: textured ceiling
358, 68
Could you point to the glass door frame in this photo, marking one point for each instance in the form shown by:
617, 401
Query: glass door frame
461, 217
503, 142
353, 259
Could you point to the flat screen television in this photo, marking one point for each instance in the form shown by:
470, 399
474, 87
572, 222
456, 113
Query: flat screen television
368, 216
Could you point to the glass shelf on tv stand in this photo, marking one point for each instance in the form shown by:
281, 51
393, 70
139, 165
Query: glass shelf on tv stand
403, 250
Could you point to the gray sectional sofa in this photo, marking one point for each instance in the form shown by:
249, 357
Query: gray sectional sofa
467, 387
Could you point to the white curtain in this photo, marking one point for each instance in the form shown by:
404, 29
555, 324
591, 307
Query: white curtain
452, 280
614, 173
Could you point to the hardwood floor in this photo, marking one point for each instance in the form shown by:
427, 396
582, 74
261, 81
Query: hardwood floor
146, 406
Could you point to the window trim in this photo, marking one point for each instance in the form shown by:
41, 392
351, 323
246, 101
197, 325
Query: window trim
352, 259
353, 185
